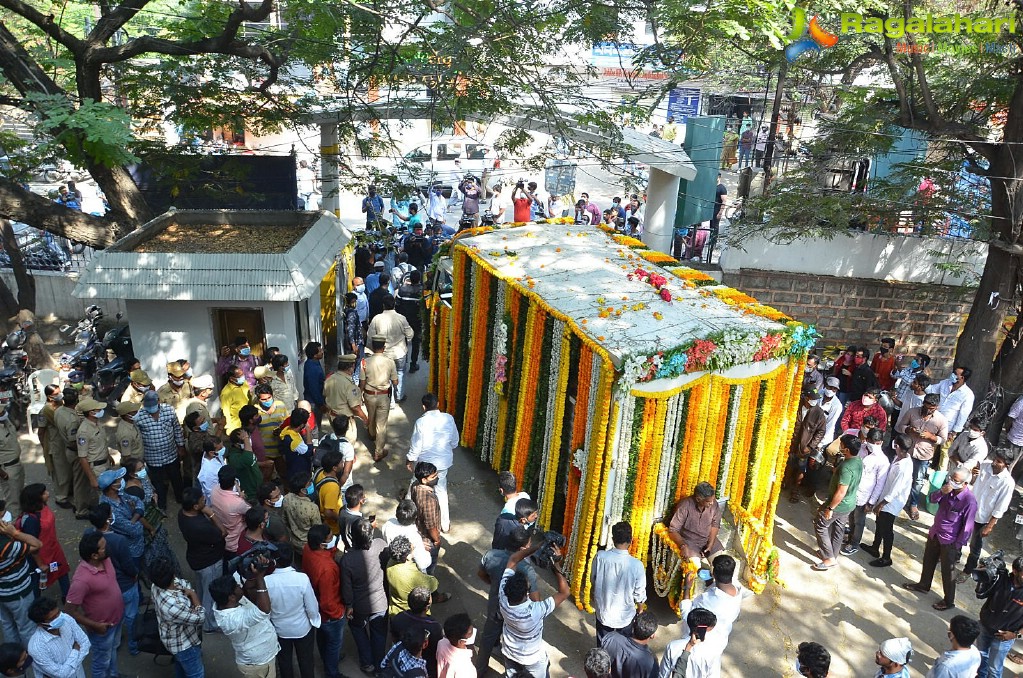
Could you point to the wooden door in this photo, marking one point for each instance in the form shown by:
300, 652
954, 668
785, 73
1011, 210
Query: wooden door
229, 323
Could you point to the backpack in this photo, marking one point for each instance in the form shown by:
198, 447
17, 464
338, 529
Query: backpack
147, 632
327, 443
320, 483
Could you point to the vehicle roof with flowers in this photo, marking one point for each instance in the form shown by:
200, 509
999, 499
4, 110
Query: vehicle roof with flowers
655, 318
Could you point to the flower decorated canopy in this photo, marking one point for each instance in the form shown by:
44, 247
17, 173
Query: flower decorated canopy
655, 320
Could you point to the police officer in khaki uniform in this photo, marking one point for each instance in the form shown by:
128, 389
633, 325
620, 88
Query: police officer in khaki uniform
343, 396
53, 446
93, 456
127, 436
140, 383
67, 420
379, 376
12, 473
177, 392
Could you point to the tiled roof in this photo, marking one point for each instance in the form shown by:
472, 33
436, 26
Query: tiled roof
120, 272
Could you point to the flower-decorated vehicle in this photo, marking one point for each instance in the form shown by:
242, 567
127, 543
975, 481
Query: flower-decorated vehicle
611, 380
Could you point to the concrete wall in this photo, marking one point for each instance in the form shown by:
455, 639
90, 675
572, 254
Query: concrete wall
859, 311
53, 296
162, 331
862, 255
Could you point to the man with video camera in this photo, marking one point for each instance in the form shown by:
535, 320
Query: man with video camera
1001, 618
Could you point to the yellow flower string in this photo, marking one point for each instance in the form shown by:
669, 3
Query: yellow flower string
599, 442
554, 453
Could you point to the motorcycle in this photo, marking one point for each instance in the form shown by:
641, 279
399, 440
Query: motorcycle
112, 378
14, 391
87, 355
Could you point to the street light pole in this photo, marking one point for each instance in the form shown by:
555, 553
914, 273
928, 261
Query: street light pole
772, 132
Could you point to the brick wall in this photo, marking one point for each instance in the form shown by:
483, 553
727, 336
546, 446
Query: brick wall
920, 317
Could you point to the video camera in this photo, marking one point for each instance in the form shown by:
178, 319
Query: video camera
989, 569
544, 556
251, 561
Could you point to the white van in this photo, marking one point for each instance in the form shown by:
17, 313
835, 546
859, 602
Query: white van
444, 162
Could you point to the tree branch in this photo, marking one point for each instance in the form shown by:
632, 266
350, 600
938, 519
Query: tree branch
21, 69
905, 105
23, 205
45, 23
114, 20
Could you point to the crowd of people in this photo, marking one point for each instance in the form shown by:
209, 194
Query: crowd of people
926, 448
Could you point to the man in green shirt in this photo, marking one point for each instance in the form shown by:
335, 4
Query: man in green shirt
833, 515
241, 458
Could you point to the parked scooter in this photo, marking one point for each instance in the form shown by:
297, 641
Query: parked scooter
14, 392
88, 354
112, 378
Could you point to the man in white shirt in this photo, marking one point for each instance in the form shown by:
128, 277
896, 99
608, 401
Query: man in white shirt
956, 399
243, 615
704, 654
499, 205
875, 469
724, 598
993, 488
59, 646
397, 334
619, 583
1014, 430
212, 461
522, 636
894, 495
969, 450
508, 486
403, 524
434, 439
295, 613
832, 407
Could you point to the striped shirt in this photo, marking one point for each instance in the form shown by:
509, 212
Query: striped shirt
14, 570
269, 421
161, 435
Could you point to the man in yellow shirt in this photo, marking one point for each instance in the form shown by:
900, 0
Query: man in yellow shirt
234, 397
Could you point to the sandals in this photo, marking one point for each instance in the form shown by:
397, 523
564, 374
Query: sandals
380, 458
941, 606
822, 566
914, 513
916, 588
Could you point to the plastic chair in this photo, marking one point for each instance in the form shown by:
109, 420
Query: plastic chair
37, 381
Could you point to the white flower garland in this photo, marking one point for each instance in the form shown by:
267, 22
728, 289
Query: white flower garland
552, 398
665, 565
632, 370
489, 436
618, 475
591, 424
726, 461
580, 460
669, 455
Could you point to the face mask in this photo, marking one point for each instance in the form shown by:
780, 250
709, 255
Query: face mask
975, 434
471, 640
152, 409
177, 382
915, 364
7, 517
867, 401
220, 453
237, 488
311, 490
831, 392
799, 668
79, 386
266, 404
812, 403
188, 373
139, 387
204, 426
239, 381
99, 413
360, 288
142, 474
330, 545
245, 352
808, 369
58, 622
432, 483
953, 377
955, 485
859, 361
120, 488
885, 349
279, 502
287, 368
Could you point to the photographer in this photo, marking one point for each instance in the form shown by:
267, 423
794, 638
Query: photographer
243, 614
1001, 618
522, 637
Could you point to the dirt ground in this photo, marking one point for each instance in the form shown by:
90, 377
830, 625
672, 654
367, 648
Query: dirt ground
849, 609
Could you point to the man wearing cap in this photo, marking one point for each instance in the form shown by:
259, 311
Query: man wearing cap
379, 376
163, 445
811, 422
344, 397
54, 447
177, 391
93, 456
832, 407
893, 656
202, 391
126, 435
373, 281
126, 511
233, 397
238, 356
140, 383
12, 473
67, 419
397, 333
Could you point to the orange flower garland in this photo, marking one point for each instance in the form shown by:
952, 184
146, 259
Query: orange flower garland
536, 319
475, 385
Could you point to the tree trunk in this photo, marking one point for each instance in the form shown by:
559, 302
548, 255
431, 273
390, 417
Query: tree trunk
22, 276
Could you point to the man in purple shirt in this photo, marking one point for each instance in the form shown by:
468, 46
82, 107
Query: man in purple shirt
240, 355
953, 524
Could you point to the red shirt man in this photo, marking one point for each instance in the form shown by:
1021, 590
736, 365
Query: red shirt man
857, 410
324, 574
883, 364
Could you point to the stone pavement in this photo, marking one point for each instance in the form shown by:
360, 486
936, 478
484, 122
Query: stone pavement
849, 609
